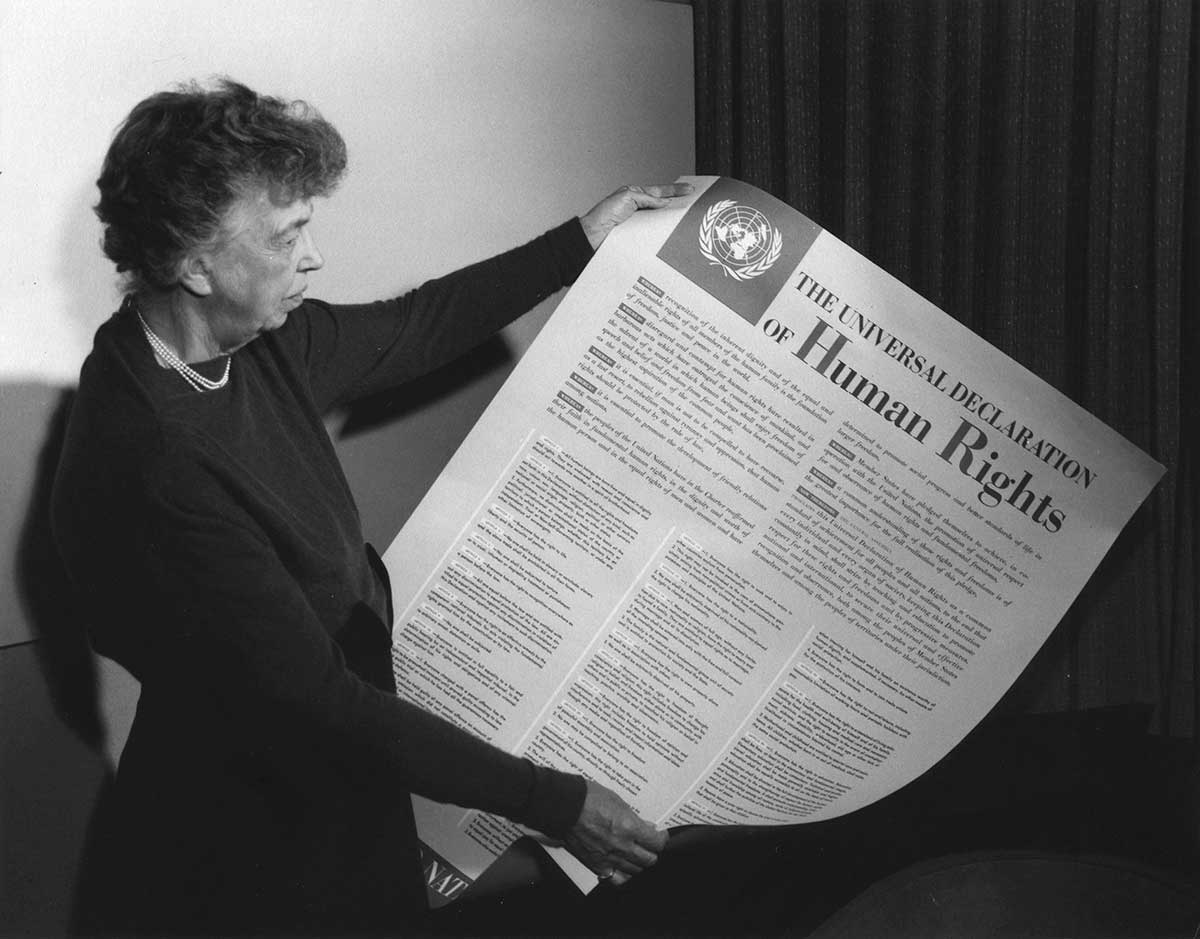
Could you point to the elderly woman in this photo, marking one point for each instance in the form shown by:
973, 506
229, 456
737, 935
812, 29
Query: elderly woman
215, 544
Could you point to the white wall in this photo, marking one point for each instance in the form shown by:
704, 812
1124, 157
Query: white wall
471, 123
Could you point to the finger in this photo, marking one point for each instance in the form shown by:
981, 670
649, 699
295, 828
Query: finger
654, 197
630, 858
641, 197
647, 835
655, 839
616, 864
616, 873
668, 190
614, 876
634, 858
643, 200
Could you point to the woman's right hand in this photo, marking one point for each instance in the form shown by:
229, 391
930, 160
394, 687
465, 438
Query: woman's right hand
611, 838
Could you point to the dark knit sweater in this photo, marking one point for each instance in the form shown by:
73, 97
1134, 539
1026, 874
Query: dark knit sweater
219, 556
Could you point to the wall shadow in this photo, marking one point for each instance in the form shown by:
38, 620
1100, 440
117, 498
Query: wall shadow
56, 770
383, 408
66, 658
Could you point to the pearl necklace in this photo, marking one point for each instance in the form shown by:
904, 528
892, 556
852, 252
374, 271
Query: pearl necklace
167, 354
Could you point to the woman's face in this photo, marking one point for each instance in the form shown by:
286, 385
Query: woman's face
258, 271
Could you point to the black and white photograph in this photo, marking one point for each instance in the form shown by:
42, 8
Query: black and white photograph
600, 468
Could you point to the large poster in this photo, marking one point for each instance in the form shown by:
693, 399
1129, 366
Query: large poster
754, 534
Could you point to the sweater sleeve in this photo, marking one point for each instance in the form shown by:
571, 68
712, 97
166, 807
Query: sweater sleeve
231, 625
352, 350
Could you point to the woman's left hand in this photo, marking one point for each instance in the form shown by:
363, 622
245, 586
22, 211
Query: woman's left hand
610, 212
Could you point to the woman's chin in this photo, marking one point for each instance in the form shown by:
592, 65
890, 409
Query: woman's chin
286, 307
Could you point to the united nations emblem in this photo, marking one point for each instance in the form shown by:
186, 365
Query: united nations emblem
739, 239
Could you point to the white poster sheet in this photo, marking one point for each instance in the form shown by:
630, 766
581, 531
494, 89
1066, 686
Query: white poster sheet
753, 534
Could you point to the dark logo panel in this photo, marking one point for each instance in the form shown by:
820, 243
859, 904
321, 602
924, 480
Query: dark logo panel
443, 881
739, 244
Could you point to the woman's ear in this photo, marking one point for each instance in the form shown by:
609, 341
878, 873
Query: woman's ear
194, 275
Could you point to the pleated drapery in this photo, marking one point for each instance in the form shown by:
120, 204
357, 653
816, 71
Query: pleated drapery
1032, 167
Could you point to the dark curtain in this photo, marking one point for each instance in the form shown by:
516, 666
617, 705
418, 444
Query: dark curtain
1030, 166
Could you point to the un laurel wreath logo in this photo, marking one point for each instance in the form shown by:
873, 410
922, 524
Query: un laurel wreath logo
739, 239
